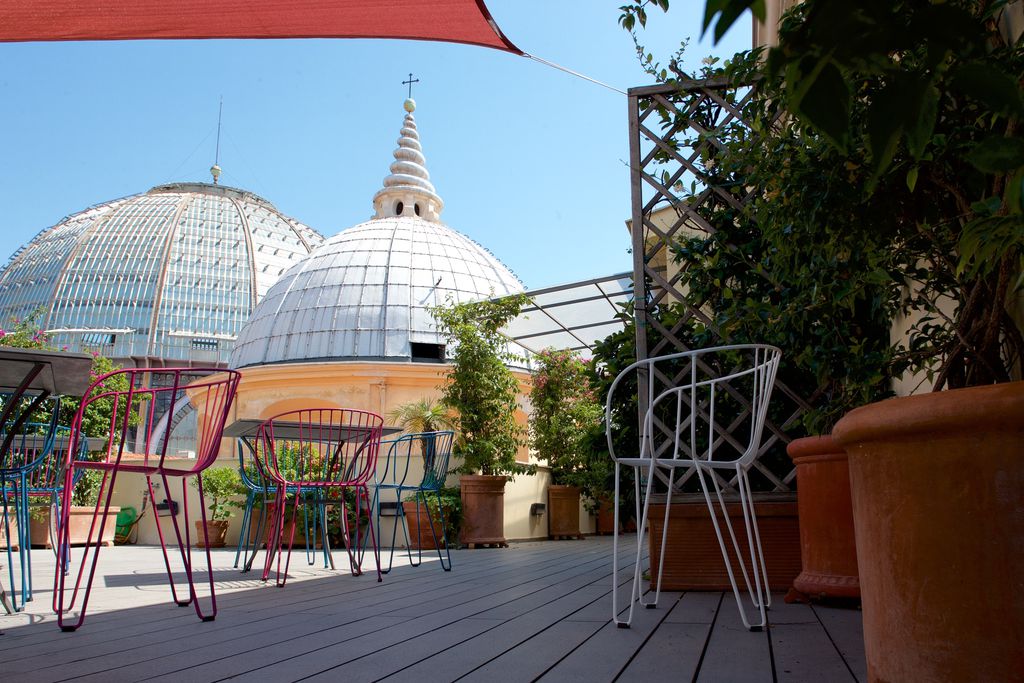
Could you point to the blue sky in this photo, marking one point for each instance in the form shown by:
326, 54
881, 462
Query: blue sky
530, 162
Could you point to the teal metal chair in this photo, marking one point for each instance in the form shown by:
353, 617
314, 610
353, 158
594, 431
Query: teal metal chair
436, 448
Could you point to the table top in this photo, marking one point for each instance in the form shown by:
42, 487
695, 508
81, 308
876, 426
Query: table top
249, 427
65, 374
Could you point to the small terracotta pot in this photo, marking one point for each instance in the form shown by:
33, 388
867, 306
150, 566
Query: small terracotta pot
938, 501
828, 547
483, 510
564, 511
217, 530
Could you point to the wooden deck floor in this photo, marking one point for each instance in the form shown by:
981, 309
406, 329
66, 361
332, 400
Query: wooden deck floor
532, 611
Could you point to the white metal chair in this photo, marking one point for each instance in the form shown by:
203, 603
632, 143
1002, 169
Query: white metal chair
703, 414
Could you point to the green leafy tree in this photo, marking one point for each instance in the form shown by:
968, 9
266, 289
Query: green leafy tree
565, 410
479, 388
909, 111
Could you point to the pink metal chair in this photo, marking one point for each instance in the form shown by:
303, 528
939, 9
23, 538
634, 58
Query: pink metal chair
159, 422
330, 453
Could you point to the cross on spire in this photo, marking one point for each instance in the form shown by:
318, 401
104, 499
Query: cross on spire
409, 83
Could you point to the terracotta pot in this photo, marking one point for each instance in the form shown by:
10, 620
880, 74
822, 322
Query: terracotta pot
564, 511
693, 559
420, 527
80, 519
828, 548
938, 502
483, 509
605, 516
217, 531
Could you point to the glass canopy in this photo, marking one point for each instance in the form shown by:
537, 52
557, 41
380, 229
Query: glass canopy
573, 316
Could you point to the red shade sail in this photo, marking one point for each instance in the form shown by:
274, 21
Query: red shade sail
456, 21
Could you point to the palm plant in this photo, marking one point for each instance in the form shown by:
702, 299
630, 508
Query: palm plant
422, 415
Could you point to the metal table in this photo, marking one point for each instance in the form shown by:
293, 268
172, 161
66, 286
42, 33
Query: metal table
40, 374
245, 431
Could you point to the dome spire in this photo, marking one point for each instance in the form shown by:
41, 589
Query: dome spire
407, 190
215, 170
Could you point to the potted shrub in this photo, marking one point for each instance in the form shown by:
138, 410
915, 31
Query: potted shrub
483, 394
221, 488
564, 412
922, 124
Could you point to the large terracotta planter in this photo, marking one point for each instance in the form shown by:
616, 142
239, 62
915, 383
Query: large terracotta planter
216, 530
938, 502
13, 521
693, 559
421, 537
828, 549
564, 511
483, 510
80, 520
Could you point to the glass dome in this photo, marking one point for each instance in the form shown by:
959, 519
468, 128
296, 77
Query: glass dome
365, 294
170, 275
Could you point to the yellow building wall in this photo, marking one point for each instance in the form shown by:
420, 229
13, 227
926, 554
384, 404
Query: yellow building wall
375, 386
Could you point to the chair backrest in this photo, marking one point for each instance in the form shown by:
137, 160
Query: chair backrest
705, 404
436, 449
35, 442
146, 415
320, 446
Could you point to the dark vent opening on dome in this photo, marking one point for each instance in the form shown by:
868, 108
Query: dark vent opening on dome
416, 207
427, 353
399, 208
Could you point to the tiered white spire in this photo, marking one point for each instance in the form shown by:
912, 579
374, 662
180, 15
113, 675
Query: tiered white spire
407, 190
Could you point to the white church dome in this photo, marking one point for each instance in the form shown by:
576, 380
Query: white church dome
365, 294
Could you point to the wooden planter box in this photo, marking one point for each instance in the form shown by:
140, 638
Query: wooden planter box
693, 559
563, 512
14, 529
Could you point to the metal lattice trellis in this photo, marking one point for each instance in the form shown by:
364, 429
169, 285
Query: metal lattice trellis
674, 130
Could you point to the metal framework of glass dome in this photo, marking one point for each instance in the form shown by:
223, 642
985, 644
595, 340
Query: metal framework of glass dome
168, 276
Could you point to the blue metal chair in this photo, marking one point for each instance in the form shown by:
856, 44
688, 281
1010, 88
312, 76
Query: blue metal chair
30, 465
436, 448
262, 496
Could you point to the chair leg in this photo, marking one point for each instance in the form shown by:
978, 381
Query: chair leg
94, 543
246, 531
394, 527
444, 535
4, 494
282, 579
163, 543
736, 549
664, 538
364, 496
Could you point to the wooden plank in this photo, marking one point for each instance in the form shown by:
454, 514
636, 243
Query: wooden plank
677, 644
733, 653
469, 655
803, 652
604, 655
533, 657
845, 628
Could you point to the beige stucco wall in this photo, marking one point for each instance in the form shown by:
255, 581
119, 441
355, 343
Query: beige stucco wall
376, 386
